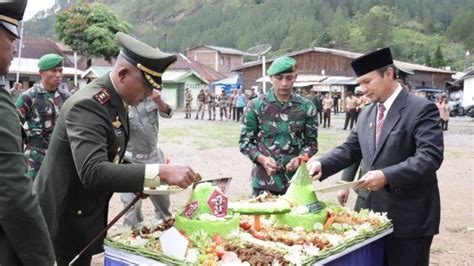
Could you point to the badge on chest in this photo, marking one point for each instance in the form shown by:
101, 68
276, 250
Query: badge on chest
118, 129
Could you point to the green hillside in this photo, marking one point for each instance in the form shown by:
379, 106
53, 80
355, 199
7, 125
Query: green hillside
413, 28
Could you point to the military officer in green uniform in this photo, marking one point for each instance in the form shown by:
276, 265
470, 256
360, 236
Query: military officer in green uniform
39, 108
278, 127
83, 166
24, 237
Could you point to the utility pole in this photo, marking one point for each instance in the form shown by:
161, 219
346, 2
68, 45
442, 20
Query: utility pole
164, 36
19, 53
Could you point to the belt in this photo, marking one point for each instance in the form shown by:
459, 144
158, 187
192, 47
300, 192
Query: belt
140, 156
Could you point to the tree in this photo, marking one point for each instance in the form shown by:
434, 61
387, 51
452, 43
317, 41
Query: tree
428, 60
90, 29
459, 29
438, 60
377, 27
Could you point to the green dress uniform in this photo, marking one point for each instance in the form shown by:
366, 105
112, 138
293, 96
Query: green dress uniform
39, 109
24, 238
81, 171
83, 166
279, 130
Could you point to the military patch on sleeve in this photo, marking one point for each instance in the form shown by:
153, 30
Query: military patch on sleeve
102, 96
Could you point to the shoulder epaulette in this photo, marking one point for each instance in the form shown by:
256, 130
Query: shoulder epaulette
102, 96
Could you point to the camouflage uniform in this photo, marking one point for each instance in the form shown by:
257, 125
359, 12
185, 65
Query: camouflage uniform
188, 97
279, 130
222, 99
40, 110
142, 149
211, 107
201, 102
229, 105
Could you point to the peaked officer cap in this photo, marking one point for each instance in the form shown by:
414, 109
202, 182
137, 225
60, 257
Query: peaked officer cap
282, 65
151, 61
11, 12
50, 61
372, 61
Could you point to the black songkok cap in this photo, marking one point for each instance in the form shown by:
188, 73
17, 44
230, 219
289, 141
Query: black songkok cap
372, 61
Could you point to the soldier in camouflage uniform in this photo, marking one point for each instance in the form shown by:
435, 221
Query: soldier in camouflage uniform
229, 106
211, 105
39, 107
201, 103
222, 99
188, 97
277, 128
233, 108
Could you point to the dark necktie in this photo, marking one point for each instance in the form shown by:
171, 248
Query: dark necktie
380, 119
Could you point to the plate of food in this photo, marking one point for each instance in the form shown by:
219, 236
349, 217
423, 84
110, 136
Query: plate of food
264, 203
162, 190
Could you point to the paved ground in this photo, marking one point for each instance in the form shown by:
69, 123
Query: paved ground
210, 147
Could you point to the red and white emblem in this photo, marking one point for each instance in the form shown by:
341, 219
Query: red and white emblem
190, 209
218, 204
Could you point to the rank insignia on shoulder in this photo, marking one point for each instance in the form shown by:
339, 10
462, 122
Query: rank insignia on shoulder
102, 96
116, 123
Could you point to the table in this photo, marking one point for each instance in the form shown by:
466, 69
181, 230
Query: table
369, 252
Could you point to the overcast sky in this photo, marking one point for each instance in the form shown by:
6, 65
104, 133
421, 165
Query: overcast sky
34, 6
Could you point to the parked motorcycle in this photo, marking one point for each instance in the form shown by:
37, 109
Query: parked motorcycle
457, 110
470, 111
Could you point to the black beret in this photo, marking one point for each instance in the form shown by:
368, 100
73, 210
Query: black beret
11, 12
151, 61
372, 61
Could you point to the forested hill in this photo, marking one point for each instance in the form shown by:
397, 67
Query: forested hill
413, 28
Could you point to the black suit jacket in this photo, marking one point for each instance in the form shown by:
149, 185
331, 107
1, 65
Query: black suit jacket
409, 154
81, 171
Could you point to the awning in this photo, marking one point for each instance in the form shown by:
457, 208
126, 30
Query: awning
29, 66
303, 84
302, 78
340, 80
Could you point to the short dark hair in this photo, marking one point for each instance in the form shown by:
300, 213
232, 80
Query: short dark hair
392, 66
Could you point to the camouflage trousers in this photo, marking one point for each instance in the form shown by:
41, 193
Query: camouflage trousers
35, 157
201, 106
212, 111
223, 111
187, 110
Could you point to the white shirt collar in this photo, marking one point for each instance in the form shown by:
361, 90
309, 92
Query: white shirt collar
388, 103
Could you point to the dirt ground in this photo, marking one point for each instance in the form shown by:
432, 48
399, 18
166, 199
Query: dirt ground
184, 142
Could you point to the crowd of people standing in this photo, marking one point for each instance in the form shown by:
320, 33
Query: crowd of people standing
230, 106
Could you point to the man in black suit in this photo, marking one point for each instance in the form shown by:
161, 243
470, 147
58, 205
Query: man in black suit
24, 238
400, 142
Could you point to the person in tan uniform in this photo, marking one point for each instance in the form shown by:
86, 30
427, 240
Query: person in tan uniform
351, 105
327, 105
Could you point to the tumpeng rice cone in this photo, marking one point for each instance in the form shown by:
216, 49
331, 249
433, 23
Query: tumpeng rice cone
306, 209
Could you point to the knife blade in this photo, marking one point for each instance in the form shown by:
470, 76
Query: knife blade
338, 186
